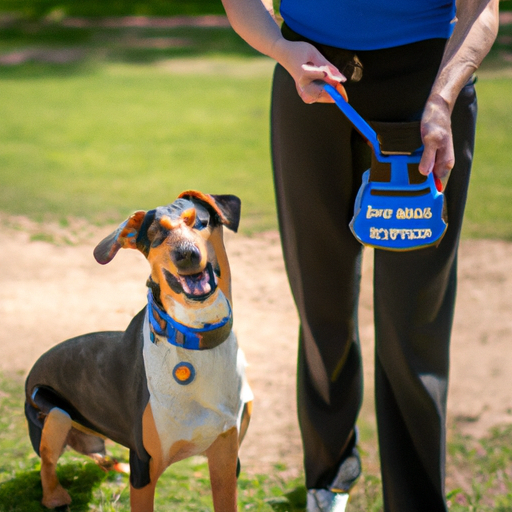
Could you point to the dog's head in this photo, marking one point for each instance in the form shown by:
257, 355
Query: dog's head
184, 246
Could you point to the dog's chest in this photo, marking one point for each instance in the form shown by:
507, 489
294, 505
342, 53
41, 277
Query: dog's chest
202, 403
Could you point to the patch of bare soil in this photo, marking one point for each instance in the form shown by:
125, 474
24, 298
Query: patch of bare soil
50, 292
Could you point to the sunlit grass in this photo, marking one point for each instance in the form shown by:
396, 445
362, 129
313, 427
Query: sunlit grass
489, 209
481, 468
103, 144
128, 127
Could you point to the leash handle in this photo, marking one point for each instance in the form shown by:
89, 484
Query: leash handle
359, 123
399, 162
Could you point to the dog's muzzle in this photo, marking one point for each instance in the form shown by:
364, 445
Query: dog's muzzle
197, 286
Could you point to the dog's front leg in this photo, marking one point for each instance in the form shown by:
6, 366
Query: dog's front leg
143, 499
222, 460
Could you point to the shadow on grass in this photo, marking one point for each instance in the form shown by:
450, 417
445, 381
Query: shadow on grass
41, 8
41, 47
366, 496
23, 493
31, 48
293, 501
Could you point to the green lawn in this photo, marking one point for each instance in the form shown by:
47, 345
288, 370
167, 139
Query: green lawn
99, 145
489, 210
129, 126
132, 122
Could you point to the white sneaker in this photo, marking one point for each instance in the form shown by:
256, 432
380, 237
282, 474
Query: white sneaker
322, 500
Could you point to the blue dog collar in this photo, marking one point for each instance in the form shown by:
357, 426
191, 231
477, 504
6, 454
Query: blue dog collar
209, 336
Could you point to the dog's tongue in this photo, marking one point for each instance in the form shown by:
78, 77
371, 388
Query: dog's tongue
196, 284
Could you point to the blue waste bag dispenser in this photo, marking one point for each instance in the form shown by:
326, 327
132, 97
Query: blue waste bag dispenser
396, 214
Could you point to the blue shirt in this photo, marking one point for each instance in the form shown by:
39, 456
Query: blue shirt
369, 24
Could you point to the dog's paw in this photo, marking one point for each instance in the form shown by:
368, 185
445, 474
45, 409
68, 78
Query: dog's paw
58, 497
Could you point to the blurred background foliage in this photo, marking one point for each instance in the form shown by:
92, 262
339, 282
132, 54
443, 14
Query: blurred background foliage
42, 8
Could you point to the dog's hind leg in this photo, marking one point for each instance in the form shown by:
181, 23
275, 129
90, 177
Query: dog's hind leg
53, 441
222, 462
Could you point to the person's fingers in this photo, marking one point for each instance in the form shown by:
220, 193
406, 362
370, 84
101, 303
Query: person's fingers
327, 72
309, 85
427, 161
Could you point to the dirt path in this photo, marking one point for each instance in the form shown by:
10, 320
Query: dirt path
50, 292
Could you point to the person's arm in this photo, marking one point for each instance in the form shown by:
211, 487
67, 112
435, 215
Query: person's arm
474, 33
255, 24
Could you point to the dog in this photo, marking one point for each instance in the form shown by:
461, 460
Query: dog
173, 384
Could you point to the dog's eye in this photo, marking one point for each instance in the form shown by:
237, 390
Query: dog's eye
202, 219
201, 223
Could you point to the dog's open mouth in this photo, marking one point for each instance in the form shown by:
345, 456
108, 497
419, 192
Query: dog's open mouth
199, 286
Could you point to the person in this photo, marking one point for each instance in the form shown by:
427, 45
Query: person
403, 61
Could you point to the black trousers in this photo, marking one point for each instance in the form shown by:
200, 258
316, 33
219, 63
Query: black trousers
318, 161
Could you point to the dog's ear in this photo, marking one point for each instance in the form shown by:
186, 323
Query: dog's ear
125, 236
227, 208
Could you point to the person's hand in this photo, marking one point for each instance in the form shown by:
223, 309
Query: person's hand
436, 133
309, 67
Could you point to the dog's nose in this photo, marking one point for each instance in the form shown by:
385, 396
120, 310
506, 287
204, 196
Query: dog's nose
186, 257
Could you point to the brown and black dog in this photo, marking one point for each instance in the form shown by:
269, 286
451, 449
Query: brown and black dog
173, 384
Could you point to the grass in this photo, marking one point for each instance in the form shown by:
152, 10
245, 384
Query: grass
137, 139
102, 137
139, 114
479, 474
483, 467
489, 209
